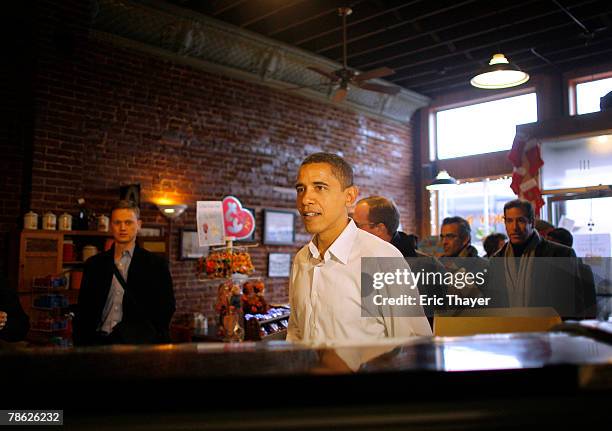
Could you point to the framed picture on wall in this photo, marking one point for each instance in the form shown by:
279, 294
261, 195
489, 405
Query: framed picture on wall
189, 245
279, 264
279, 227
130, 192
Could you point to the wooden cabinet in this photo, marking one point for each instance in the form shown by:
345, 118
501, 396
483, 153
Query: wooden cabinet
40, 254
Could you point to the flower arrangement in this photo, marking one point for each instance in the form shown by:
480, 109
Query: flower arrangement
224, 263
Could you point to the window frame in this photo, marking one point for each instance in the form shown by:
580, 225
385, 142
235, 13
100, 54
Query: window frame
432, 117
572, 83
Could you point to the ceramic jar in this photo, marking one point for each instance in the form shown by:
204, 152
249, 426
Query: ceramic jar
49, 221
65, 222
30, 220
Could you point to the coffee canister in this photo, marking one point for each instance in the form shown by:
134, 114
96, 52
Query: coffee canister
30, 220
89, 251
49, 221
103, 223
68, 251
65, 222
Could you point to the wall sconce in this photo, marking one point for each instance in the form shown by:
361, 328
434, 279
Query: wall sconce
172, 211
443, 181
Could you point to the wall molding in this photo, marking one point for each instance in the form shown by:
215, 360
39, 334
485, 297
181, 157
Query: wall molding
189, 38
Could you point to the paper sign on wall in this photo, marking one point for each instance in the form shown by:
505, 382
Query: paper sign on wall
209, 216
592, 245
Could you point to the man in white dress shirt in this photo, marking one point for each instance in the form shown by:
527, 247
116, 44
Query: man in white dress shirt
325, 282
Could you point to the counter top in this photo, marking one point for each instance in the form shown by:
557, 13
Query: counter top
282, 375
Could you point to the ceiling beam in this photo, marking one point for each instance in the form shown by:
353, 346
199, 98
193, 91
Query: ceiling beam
434, 33
350, 24
494, 42
394, 26
228, 7
270, 13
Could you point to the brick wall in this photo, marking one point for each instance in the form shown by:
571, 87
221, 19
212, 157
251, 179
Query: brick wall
108, 116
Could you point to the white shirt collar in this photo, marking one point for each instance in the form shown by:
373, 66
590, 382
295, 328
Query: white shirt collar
341, 247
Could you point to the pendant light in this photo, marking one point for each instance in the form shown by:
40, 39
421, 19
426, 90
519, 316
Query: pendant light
443, 181
500, 73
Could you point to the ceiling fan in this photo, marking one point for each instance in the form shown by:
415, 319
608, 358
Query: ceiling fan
345, 76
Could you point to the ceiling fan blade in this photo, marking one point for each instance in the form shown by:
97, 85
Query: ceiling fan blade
301, 87
340, 95
374, 73
379, 88
329, 75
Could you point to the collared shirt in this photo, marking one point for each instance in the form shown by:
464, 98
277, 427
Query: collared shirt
325, 294
113, 310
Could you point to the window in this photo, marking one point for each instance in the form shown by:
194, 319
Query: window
482, 128
589, 93
481, 203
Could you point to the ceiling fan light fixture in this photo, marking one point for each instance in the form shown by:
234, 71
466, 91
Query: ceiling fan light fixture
500, 73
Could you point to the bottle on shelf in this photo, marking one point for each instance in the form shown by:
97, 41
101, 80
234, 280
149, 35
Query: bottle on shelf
82, 219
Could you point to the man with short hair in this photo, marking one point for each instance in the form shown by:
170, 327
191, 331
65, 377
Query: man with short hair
460, 256
456, 238
325, 280
379, 216
518, 280
493, 242
126, 295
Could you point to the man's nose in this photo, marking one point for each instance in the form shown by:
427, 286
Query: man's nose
306, 197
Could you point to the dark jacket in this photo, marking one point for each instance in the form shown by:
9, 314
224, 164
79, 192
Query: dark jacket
148, 303
420, 262
555, 280
18, 322
405, 244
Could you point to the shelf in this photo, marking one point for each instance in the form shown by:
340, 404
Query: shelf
74, 262
278, 335
221, 279
36, 307
85, 233
41, 254
47, 331
274, 319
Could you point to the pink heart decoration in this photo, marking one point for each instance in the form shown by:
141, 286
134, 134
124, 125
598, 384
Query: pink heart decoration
239, 223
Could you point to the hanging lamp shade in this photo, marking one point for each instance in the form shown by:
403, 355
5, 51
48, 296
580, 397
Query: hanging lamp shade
443, 181
500, 73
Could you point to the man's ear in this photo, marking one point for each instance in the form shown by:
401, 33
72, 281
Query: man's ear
350, 195
139, 224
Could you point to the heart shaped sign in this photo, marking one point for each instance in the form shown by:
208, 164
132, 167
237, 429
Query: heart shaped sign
239, 222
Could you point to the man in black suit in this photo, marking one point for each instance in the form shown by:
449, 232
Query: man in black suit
126, 294
530, 271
